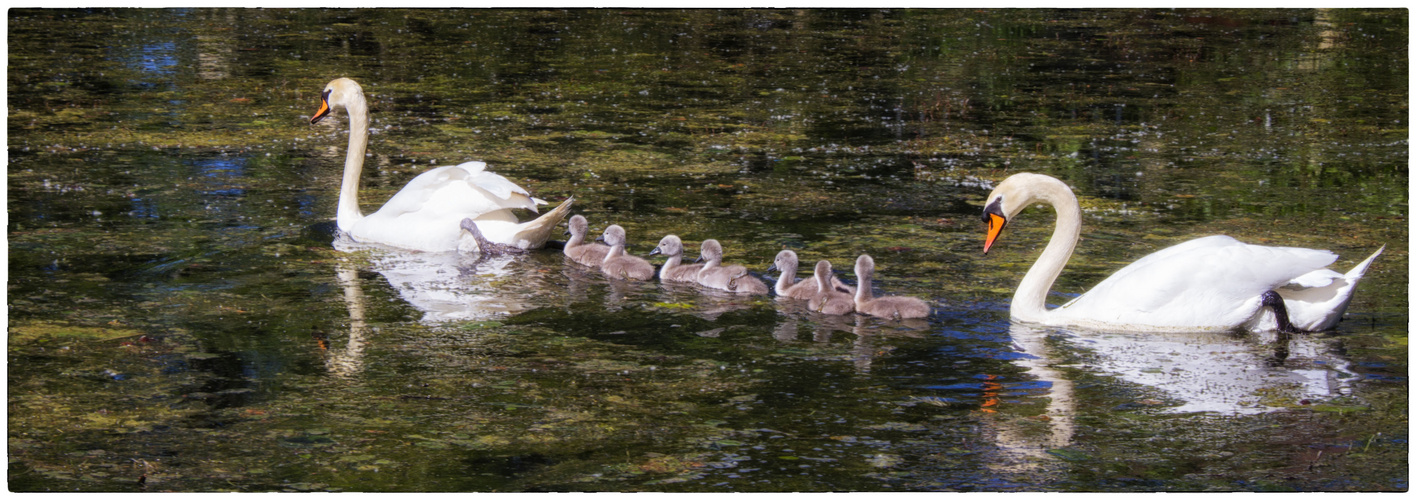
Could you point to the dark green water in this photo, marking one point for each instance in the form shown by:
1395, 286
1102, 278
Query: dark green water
178, 311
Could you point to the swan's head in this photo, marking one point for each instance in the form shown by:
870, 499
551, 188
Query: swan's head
786, 260
339, 93
710, 251
823, 275
614, 235
671, 246
577, 226
864, 267
1013, 195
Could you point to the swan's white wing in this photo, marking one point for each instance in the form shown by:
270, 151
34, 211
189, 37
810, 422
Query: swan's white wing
426, 214
1211, 282
498, 185
470, 192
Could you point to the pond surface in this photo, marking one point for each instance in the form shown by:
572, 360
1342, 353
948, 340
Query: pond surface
182, 317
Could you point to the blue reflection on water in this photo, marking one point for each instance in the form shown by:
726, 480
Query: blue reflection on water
157, 58
143, 208
222, 176
307, 204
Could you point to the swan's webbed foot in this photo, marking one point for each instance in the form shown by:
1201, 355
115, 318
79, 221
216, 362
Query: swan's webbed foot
486, 247
1274, 302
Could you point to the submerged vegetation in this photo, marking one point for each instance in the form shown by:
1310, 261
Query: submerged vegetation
179, 320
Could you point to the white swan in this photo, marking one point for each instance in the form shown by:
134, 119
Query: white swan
426, 214
1210, 283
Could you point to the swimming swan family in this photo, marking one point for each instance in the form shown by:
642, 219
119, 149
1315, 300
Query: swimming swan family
1209, 283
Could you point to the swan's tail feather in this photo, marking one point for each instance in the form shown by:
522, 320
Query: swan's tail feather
535, 232
1361, 268
1322, 315
1352, 277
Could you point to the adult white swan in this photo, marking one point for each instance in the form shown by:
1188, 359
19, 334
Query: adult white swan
1215, 282
426, 214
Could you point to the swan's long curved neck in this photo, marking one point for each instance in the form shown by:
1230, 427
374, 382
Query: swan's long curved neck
348, 211
1030, 299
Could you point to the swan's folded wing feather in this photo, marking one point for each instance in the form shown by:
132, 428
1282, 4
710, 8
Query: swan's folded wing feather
1202, 282
1316, 279
457, 190
502, 188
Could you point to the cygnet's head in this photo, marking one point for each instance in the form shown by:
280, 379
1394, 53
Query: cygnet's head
864, 267
577, 226
710, 251
614, 235
670, 246
786, 261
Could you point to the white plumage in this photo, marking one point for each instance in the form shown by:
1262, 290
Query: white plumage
1214, 282
426, 214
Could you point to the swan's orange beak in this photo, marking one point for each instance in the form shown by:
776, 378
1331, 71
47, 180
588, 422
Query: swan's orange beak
995, 228
324, 109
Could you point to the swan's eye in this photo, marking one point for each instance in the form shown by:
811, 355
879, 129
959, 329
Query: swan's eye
993, 208
993, 216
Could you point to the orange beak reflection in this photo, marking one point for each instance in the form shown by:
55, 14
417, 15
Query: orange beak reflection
995, 228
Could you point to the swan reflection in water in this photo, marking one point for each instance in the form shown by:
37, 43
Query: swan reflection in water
443, 286
1216, 372
450, 286
348, 360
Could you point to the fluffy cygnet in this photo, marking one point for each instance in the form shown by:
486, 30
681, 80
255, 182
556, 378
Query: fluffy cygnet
586, 254
674, 269
789, 286
828, 300
884, 307
620, 265
731, 278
